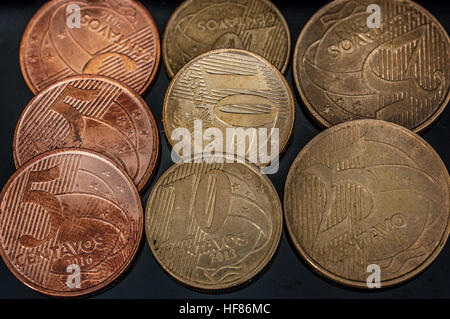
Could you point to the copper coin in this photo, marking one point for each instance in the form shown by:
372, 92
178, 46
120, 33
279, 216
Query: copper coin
199, 26
213, 225
91, 112
116, 38
348, 68
66, 215
230, 89
367, 195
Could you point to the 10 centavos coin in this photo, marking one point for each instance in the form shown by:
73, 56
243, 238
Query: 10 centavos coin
367, 195
213, 225
199, 26
71, 222
116, 38
90, 112
346, 67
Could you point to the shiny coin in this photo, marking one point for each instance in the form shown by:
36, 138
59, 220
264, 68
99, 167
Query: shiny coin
347, 68
199, 26
368, 196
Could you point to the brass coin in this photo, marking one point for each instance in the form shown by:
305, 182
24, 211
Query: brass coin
213, 226
226, 89
399, 72
363, 193
199, 26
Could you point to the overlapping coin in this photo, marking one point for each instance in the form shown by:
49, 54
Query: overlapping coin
213, 225
366, 194
90, 112
71, 222
346, 67
199, 26
116, 38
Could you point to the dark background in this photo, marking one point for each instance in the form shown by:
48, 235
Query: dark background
287, 276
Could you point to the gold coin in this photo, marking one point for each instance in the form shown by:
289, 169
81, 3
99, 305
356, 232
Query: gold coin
214, 225
367, 194
229, 90
199, 26
346, 67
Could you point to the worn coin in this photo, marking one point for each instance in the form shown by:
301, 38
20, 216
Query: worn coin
213, 225
230, 89
116, 38
199, 26
367, 194
71, 222
90, 112
346, 67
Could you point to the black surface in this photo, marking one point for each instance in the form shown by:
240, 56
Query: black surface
287, 276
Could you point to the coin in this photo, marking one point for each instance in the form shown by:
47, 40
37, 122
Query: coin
71, 222
115, 38
213, 225
367, 194
228, 89
199, 26
90, 112
346, 68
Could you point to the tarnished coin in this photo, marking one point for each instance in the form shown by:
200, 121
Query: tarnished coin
213, 225
227, 89
368, 194
91, 112
116, 38
199, 26
346, 67
71, 222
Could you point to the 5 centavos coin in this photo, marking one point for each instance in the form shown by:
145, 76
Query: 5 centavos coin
348, 67
225, 90
367, 195
90, 112
199, 26
115, 38
213, 225
71, 222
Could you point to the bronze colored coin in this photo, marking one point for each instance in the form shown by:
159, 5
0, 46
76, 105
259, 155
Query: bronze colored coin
228, 89
69, 212
91, 112
367, 193
115, 38
199, 26
399, 72
213, 225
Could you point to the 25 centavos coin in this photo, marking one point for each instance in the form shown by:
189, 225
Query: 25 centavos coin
92, 112
199, 26
346, 67
71, 222
213, 225
115, 38
368, 194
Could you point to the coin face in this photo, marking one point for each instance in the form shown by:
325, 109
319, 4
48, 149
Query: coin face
348, 68
95, 113
199, 26
367, 193
213, 225
71, 222
115, 38
228, 89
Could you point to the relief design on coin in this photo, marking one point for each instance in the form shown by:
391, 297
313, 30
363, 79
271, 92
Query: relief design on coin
199, 26
213, 226
399, 72
69, 207
90, 112
115, 38
367, 192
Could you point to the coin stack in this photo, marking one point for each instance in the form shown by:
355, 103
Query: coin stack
365, 193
